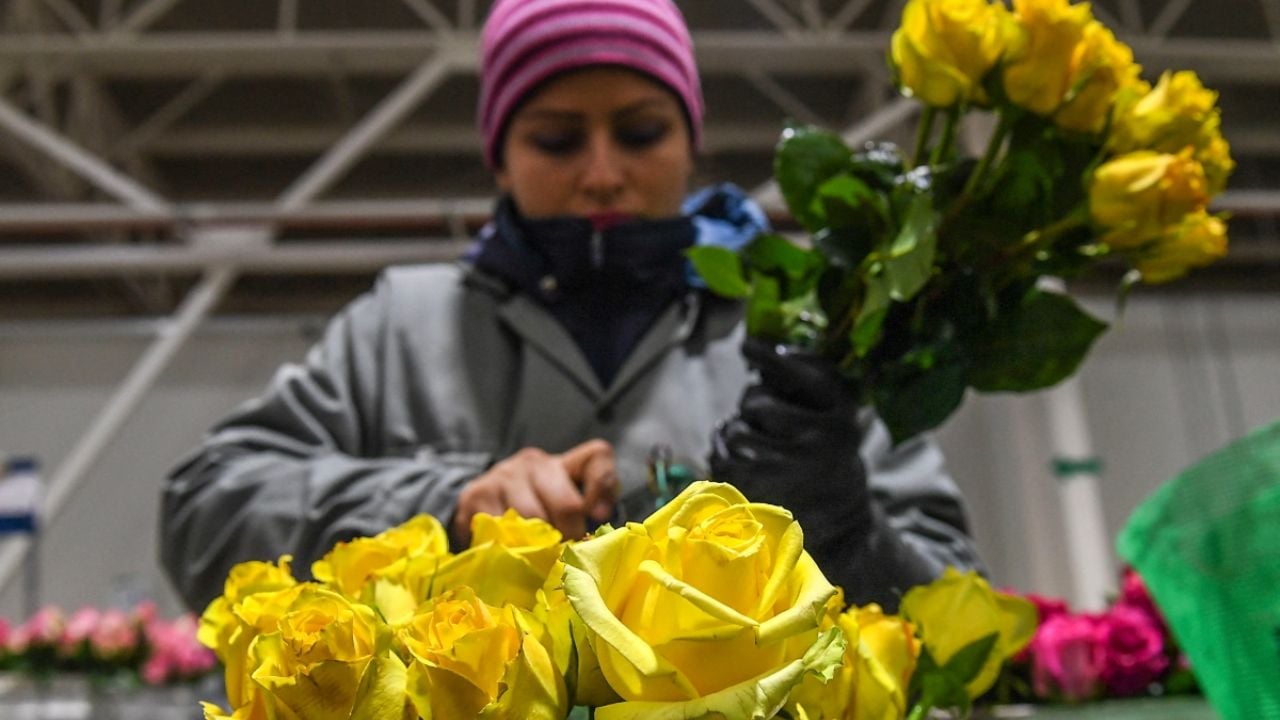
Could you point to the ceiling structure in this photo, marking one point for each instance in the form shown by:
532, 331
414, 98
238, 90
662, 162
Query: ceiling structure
272, 154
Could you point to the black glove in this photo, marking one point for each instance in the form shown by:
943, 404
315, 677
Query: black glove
794, 442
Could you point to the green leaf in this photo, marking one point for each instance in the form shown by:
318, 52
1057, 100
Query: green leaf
1034, 344
867, 331
846, 201
909, 262
721, 269
968, 661
764, 318
806, 158
772, 253
919, 402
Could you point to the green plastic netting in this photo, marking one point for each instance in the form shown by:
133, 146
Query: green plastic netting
1207, 543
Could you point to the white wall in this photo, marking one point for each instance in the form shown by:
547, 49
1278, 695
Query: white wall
1178, 378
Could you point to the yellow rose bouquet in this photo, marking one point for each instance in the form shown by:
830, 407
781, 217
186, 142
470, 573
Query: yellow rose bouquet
710, 608
923, 277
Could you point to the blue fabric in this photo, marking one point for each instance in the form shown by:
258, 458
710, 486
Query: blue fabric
723, 216
10, 524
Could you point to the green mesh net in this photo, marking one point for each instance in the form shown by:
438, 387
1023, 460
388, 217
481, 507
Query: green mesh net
1207, 544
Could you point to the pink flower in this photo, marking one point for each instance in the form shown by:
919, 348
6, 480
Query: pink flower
1047, 606
176, 654
145, 612
1134, 594
45, 627
1134, 650
1067, 657
79, 627
115, 636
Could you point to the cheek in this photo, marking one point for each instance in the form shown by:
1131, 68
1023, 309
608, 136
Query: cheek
666, 181
539, 189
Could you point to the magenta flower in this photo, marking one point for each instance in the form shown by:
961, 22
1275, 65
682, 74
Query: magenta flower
1047, 606
1134, 594
1134, 650
1067, 657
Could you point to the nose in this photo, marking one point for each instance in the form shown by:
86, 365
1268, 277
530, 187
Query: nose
603, 176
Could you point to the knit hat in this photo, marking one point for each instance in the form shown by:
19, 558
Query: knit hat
526, 42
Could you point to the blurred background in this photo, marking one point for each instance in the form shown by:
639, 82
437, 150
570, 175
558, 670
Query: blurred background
189, 188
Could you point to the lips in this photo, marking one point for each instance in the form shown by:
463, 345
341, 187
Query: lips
606, 220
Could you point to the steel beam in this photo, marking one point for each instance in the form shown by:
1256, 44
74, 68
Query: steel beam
67, 153
294, 258
390, 112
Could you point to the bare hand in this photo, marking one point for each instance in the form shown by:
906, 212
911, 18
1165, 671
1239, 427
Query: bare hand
562, 489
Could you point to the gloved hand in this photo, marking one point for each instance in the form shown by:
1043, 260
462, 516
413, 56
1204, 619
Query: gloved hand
794, 442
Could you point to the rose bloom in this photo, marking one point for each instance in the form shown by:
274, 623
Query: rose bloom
1138, 197
944, 47
711, 605
1067, 658
1133, 651
1046, 607
1101, 66
1039, 64
1198, 240
1134, 594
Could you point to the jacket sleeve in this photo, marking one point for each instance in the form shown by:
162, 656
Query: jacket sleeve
917, 523
295, 471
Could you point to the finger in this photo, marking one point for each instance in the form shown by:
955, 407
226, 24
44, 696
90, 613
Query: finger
518, 493
482, 495
592, 466
575, 458
600, 485
558, 493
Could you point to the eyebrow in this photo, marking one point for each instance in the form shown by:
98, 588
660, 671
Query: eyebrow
553, 114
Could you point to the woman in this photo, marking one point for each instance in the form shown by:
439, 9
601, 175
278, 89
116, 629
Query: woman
540, 373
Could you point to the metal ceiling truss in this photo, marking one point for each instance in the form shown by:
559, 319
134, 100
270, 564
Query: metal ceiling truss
65, 132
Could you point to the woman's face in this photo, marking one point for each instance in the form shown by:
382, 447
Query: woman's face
595, 143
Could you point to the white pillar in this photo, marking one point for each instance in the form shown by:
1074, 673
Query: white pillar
1076, 468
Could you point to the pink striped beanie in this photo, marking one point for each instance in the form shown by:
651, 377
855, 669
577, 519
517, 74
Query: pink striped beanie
526, 42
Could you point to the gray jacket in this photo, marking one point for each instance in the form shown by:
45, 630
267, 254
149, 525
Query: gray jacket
420, 385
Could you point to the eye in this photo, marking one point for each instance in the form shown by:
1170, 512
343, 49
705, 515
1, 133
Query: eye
641, 135
558, 142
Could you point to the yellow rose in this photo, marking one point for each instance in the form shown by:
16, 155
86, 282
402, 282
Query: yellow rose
572, 653
1179, 112
710, 608
1198, 240
1136, 197
1166, 118
944, 47
872, 683
1041, 61
324, 657
470, 660
1100, 67
961, 608
223, 631
353, 568
218, 622
508, 561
